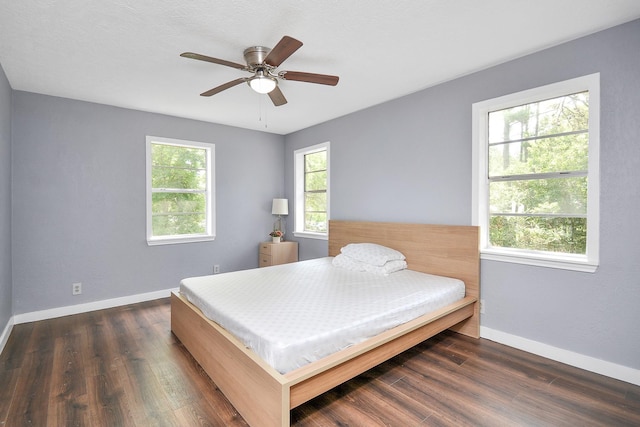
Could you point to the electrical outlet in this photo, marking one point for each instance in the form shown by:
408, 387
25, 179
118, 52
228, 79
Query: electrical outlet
76, 288
483, 307
216, 269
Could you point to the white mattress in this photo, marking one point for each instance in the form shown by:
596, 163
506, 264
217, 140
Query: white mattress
294, 314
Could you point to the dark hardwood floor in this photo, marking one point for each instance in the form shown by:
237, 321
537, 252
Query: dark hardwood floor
123, 367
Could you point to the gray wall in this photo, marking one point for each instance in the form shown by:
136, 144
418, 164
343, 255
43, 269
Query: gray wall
410, 160
79, 201
5, 202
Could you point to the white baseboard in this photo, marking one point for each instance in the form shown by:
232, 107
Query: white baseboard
578, 360
5, 334
90, 306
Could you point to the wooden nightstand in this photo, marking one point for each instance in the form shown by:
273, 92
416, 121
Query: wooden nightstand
277, 253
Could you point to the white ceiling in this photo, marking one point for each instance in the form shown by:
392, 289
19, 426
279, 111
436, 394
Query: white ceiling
126, 52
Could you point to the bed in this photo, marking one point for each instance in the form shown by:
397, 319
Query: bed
264, 396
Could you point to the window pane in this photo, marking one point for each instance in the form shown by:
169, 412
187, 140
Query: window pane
567, 235
180, 200
553, 116
537, 173
178, 203
172, 225
194, 179
315, 196
315, 181
311, 189
176, 166
178, 213
555, 154
315, 161
179, 156
539, 196
316, 202
315, 221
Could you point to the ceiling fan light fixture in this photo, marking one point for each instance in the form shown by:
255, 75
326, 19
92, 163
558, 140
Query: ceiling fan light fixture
262, 83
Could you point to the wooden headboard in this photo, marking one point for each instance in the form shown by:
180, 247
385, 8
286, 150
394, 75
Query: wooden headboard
445, 250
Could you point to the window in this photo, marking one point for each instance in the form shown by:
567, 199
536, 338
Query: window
536, 177
180, 191
312, 191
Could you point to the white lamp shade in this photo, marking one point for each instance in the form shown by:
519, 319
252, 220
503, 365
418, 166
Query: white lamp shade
280, 207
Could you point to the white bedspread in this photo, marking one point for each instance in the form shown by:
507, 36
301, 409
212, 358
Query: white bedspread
294, 314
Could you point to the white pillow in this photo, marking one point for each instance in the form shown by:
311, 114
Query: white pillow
388, 268
372, 253
348, 263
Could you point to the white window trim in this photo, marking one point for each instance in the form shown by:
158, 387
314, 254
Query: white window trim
298, 156
480, 208
209, 195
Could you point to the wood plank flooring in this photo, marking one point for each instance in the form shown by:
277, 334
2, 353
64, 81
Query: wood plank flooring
123, 367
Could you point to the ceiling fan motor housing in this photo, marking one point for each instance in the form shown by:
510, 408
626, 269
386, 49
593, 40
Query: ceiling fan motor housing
255, 55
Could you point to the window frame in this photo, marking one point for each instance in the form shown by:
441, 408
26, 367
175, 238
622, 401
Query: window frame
480, 192
210, 233
299, 171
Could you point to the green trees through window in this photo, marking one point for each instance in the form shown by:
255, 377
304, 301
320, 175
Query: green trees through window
537, 169
179, 186
315, 192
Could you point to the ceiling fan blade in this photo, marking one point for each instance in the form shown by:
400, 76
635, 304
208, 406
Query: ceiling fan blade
285, 47
323, 79
224, 86
277, 97
199, 57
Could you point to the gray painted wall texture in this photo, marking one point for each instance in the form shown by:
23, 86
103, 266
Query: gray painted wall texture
410, 160
79, 201
5, 202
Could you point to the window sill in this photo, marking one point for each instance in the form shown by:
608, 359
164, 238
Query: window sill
309, 235
178, 239
566, 262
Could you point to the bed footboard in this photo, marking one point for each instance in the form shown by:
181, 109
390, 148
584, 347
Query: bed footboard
254, 388
261, 394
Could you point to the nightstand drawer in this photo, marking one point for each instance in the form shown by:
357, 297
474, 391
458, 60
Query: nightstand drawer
277, 253
265, 248
265, 260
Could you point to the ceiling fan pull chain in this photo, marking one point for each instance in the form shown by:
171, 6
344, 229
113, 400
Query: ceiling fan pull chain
266, 113
261, 109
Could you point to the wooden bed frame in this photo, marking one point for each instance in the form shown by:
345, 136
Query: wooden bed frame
264, 397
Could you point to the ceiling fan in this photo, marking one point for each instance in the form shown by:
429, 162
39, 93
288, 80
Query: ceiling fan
263, 63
